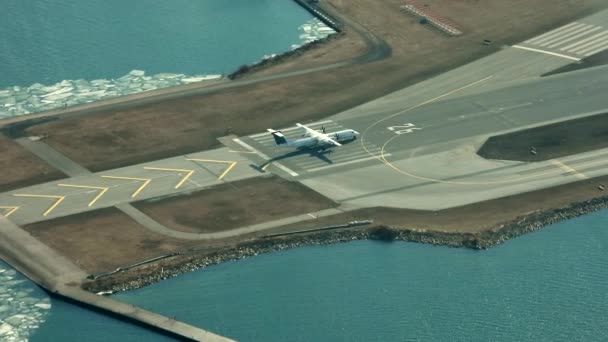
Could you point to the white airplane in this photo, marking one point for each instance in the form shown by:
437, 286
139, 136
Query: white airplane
314, 138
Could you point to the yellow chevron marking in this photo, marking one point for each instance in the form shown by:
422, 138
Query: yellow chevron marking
145, 180
59, 199
184, 179
9, 210
101, 193
231, 162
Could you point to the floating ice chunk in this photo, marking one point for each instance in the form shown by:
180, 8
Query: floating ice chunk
4, 308
9, 101
44, 306
99, 82
58, 97
192, 79
137, 73
59, 91
4, 93
51, 88
5, 328
15, 320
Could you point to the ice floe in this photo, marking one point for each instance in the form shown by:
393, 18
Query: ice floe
312, 30
23, 307
39, 97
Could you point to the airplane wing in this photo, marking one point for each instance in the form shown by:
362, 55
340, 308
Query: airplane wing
321, 136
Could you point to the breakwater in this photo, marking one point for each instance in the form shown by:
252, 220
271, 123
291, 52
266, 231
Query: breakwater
320, 14
60, 277
482, 240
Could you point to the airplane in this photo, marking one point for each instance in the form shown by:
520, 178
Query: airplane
313, 138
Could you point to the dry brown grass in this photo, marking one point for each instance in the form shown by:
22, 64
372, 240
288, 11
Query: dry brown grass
20, 168
115, 138
235, 205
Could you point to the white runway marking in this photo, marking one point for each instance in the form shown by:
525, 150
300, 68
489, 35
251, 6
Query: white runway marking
575, 39
279, 165
589, 39
567, 35
547, 35
563, 41
315, 169
547, 52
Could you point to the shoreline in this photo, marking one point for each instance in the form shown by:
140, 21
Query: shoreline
173, 266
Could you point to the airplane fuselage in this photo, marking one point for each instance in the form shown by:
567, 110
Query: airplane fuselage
308, 142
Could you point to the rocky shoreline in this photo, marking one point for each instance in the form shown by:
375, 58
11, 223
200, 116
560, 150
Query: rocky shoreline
172, 267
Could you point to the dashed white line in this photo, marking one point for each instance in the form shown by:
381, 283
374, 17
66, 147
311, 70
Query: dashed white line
546, 52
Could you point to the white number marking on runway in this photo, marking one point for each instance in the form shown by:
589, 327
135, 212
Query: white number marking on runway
403, 129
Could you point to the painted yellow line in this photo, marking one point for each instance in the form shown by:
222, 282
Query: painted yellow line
101, 193
227, 170
59, 199
212, 160
233, 151
380, 157
9, 210
184, 179
569, 169
231, 162
145, 180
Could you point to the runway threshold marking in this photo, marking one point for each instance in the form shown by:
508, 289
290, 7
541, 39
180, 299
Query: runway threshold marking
264, 156
145, 180
569, 169
58, 199
103, 190
231, 163
546, 52
8, 210
180, 171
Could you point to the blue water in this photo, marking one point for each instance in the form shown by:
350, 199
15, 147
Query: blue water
45, 41
550, 285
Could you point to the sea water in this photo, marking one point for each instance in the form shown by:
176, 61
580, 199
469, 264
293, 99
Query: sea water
55, 54
549, 285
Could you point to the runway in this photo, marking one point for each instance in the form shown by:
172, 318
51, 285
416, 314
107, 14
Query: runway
416, 149
418, 146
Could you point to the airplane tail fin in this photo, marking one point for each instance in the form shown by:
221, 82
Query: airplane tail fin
279, 138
